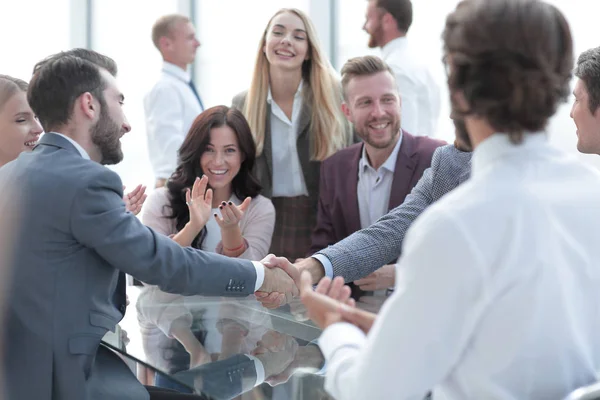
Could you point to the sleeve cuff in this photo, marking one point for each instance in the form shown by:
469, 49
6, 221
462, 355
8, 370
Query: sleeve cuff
326, 264
260, 274
340, 335
260, 370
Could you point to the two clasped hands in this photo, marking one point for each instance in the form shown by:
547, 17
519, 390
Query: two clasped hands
327, 303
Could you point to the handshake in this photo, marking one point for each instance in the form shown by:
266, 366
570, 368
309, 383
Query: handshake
281, 282
328, 303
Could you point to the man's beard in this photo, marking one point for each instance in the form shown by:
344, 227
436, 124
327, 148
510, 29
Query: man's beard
363, 133
105, 135
374, 38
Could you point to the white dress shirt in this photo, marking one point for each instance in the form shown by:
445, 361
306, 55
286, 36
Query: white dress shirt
170, 108
375, 186
497, 290
288, 177
419, 92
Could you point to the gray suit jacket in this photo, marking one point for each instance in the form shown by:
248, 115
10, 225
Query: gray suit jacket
367, 250
68, 284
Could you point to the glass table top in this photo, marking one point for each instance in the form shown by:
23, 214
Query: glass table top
224, 348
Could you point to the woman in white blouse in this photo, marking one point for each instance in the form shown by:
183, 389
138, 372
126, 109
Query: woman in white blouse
293, 107
230, 217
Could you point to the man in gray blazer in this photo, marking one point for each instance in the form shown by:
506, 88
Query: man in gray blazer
76, 242
366, 250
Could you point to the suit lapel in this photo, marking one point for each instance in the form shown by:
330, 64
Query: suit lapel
406, 163
351, 164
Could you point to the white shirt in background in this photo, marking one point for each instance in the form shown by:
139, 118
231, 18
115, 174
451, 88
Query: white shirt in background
288, 178
497, 291
170, 108
419, 92
375, 186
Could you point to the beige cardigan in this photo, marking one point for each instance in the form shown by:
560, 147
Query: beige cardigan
256, 225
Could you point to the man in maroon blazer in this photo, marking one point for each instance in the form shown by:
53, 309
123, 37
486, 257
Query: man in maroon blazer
361, 183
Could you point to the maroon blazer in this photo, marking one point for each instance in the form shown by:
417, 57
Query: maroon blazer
338, 214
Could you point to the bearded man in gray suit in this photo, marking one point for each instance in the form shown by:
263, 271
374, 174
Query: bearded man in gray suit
361, 254
76, 242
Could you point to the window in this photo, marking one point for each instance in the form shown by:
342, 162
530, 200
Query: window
122, 31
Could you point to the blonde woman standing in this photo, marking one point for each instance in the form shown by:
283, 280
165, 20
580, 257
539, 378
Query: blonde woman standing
293, 107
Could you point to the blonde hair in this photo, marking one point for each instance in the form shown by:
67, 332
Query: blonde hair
164, 27
328, 126
9, 86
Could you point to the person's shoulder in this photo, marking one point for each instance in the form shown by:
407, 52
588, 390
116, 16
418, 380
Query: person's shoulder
449, 153
342, 155
424, 143
158, 197
260, 206
260, 201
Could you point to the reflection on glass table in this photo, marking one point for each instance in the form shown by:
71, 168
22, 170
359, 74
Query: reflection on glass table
225, 348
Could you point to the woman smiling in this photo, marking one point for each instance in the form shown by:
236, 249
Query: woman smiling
212, 201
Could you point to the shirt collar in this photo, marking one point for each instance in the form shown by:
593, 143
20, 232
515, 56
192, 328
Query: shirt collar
80, 149
298, 93
499, 146
399, 43
389, 164
174, 70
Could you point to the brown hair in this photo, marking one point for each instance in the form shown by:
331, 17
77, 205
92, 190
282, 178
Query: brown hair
9, 86
588, 70
61, 78
362, 66
244, 184
400, 10
512, 61
164, 26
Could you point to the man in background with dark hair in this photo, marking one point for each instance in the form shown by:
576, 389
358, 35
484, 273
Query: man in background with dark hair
387, 23
497, 289
586, 107
76, 241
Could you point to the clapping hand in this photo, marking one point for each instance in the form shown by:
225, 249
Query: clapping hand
199, 202
134, 200
231, 214
325, 304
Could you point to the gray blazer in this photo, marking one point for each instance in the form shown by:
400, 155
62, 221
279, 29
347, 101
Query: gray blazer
367, 250
68, 286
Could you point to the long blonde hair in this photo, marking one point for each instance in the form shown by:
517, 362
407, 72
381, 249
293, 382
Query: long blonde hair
328, 126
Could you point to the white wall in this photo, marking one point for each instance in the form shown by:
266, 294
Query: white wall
229, 31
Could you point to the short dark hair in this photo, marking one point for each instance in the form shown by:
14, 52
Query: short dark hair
401, 10
362, 66
511, 59
61, 78
588, 70
244, 184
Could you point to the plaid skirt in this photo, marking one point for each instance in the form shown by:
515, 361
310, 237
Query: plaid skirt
295, 219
